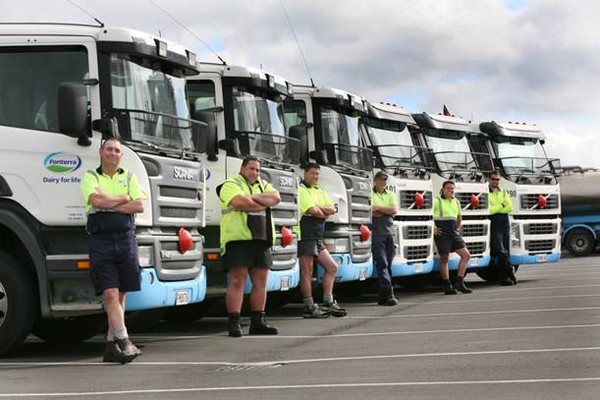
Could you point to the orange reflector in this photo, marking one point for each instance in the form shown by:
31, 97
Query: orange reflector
83, 264
212, 256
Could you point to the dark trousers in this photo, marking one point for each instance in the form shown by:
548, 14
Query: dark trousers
383, 255
500, 244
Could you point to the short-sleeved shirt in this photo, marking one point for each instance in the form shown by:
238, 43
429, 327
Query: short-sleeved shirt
446, 213
308, 197
383, 225
241, 225
121, 183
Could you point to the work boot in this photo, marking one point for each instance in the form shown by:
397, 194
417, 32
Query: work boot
314, 312
386, 298
506, 282
260, 326
449, 289
113, 353
128, 348
235, 327
460, 285
512, 276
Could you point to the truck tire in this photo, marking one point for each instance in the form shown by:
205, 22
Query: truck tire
69, 330
580, 242
489, 273
18, 304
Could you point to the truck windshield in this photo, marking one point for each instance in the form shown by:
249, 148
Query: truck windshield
340, 135
259, 127
451, 152
522, 156
151, 105
394, 147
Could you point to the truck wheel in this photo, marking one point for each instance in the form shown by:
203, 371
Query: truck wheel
579, 242
18, 299
489, 273
69, 330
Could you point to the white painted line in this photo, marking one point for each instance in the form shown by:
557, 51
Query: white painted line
141, 339
305, 387
465, 313
574, 296
309, 360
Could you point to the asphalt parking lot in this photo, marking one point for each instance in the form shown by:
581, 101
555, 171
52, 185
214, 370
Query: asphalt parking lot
538, 340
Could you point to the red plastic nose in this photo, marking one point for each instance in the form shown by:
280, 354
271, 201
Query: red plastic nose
365, 233
474, 201
542, 201
185, 241
286, 236
419, 200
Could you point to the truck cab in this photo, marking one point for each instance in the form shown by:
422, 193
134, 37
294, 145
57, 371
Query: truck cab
452, 159
529, 176
385, 130
65, 87
327, 121
243, 108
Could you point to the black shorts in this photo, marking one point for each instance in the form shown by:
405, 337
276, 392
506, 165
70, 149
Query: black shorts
310, 247
247, 253
114, 262
447, 244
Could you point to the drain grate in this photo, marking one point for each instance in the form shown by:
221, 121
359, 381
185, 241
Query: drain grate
246, 367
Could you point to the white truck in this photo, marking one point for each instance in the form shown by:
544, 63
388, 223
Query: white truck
385, 130
529, 176
63, 87
452, 159
244, 112
326, 122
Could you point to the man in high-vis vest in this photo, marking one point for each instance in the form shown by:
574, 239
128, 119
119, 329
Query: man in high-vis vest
247, 235
315, 208
383, 209
500, 206
447, 216
112, 197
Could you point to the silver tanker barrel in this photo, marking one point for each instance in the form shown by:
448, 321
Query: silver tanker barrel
580, 201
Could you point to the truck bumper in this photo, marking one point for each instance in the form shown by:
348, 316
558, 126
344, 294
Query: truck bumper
518, 259
347, 270
480, 261
156, 294
406, 269
279, 280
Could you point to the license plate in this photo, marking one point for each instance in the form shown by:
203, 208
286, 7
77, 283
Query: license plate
285, 283
541, 258
182, 297
362, 274
474, 262
418, 268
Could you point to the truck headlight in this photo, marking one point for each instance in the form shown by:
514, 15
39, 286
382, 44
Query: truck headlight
515, 235
145, 256
341, 245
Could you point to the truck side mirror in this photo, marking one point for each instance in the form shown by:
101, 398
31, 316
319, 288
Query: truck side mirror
72, 112
208, 133
320, 156
300, 132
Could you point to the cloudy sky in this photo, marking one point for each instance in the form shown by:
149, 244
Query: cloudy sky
536, 61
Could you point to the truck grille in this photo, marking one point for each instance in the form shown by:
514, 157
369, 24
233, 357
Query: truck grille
416, 232
476, 248
413, 253
540, 229
360, 209
530, 201
540, 245
407, 199
465, 200
173, 265
471, 230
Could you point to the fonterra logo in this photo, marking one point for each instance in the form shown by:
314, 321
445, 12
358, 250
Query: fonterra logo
62, 162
